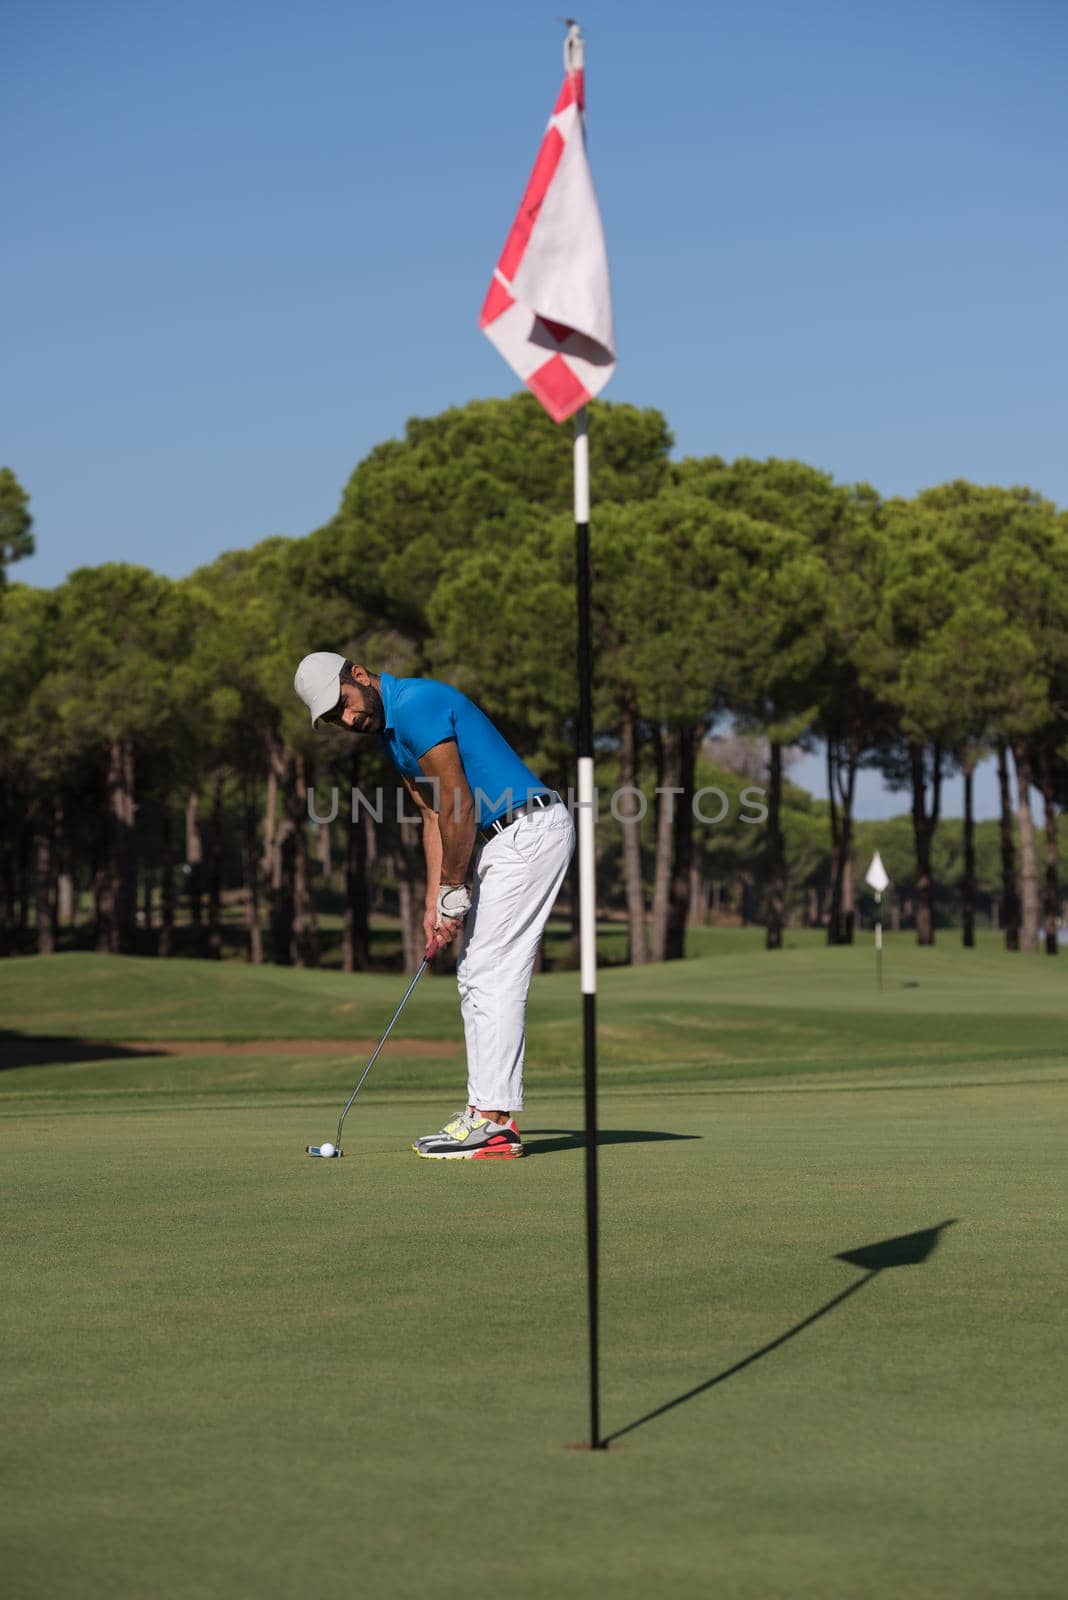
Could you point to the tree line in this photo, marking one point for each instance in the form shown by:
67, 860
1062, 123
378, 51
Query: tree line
157, 766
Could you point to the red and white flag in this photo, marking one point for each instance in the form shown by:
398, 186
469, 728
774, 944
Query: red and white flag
549, 305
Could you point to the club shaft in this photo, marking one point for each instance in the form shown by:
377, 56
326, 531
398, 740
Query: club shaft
378, 1052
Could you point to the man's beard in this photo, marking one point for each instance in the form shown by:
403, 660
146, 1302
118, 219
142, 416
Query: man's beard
374, 709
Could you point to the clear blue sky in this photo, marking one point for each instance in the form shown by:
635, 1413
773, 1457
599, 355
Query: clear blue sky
245, 242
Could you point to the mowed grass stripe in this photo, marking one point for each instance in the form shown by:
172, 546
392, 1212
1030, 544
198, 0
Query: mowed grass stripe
746, 1014
111, 997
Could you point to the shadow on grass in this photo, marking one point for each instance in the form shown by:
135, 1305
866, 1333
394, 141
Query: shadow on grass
544, 1141
41, 1050
907, 1250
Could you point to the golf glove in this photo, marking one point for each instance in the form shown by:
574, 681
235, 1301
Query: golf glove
454, 901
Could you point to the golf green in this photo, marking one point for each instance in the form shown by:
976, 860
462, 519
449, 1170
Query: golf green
231, 1370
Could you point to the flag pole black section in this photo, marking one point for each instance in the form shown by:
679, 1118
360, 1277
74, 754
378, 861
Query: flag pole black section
585, 654
589, 1034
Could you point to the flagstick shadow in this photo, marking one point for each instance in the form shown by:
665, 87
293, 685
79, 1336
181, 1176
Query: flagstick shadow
910, 1249
545, 1141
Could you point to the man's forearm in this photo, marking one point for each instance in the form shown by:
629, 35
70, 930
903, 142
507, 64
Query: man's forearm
432, 851
456, 829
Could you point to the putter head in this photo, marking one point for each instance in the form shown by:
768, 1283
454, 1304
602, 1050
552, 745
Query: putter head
316, 1150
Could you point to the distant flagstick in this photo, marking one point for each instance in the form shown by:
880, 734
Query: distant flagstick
548, 311
878, 879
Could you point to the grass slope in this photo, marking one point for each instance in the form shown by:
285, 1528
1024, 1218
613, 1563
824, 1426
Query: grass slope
740, 1014
230, 1370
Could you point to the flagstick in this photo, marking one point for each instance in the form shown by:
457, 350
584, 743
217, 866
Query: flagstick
878, 879
587, 901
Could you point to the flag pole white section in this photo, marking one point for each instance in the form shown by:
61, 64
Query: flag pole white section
582, 467
587, 878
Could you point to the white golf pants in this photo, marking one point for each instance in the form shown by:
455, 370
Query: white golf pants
518, 874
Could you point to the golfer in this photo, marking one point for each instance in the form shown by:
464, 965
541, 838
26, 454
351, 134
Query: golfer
497, 845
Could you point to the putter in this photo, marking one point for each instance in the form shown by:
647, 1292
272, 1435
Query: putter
320, 1150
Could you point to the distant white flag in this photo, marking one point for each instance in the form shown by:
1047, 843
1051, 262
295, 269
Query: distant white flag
877, 876
549, 305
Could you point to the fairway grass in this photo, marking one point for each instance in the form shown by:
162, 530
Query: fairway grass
740, 1014
232, 1371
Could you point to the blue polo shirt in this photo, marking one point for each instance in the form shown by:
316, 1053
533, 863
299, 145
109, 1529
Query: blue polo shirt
420, 713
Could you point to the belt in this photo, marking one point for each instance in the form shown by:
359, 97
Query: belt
537, 802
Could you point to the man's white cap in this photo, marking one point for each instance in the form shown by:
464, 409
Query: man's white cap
318, 682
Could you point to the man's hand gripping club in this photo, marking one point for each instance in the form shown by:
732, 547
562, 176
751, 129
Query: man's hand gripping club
446, 919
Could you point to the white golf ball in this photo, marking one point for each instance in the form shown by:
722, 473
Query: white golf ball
326, 1149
